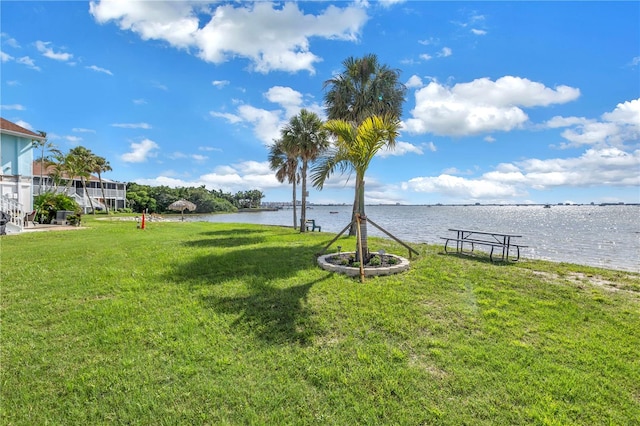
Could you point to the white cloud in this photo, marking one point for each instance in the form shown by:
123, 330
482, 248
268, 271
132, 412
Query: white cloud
290, 99
413, 82
401, 148
446, 51
99, 69
5, 57
595, 168
231, 118
478, 31
390, 3
228, 178
132, 125
614, 129
208, 149
140, 151
199, 158
272, 37
481, 106
458, 187
9, 41
160, 86
73, 139
43, 47
82, 130
425, 57
139, 101
558, 121
24, 124
28, 62
14, 107
220, 83
429, 41
267, 123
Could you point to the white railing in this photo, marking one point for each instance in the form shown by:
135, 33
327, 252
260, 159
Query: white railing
14, 209
117, 194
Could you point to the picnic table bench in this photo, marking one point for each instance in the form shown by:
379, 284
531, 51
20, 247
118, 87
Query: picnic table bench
310, 225
494, 240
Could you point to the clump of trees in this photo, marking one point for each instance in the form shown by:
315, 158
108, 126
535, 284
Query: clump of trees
62, 168
156, 199
48, 204
363, 105
81, 163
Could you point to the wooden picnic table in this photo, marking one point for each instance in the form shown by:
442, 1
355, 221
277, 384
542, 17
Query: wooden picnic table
500, 240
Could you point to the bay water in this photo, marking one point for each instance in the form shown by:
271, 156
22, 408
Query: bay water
603, 236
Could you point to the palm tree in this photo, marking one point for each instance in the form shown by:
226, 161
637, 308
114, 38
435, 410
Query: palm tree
100, 165
55, 166
284, 160
43, 144
80, 163
307, 134
364, 88
355, 147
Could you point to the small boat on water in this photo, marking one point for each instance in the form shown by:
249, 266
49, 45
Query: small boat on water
547, 206
334, 212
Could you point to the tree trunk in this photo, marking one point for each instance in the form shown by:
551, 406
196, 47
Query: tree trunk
356, 208
86, 191
303, 206
363, 223
106, 205
295, 215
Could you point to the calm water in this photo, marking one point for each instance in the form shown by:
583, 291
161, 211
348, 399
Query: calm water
604, 236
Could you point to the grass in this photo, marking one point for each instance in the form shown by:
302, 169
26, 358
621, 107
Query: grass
202, 323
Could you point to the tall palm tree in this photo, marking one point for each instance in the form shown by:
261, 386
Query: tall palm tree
364, 88
55, 167
306, 132
355, 147
80, 163
43, 144
283, 159
100, 165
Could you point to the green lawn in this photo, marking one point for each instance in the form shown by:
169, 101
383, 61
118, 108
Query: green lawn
202, 323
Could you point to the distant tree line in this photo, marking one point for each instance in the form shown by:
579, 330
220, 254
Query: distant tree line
157, 199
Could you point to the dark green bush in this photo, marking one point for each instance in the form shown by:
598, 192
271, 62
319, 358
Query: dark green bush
49, 203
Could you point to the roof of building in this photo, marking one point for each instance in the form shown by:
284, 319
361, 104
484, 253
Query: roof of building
9, 127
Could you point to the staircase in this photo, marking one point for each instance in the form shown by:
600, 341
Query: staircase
16, 211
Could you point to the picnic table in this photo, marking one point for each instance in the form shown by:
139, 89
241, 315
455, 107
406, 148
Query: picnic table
502, 241
310, 225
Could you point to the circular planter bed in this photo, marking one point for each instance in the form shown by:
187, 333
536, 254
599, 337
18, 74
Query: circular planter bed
383, 264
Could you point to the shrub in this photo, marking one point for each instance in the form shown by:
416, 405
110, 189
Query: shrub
49, 203
375, 261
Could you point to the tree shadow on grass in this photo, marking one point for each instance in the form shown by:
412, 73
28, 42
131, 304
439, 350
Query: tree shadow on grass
236, 274
274, 315
234, 241
206, 267
234, 231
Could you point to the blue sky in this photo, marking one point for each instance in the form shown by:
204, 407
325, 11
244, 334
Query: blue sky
507, 102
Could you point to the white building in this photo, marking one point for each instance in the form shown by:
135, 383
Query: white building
115, 193
16, 173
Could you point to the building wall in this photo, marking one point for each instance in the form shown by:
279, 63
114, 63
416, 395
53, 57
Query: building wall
16, 173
